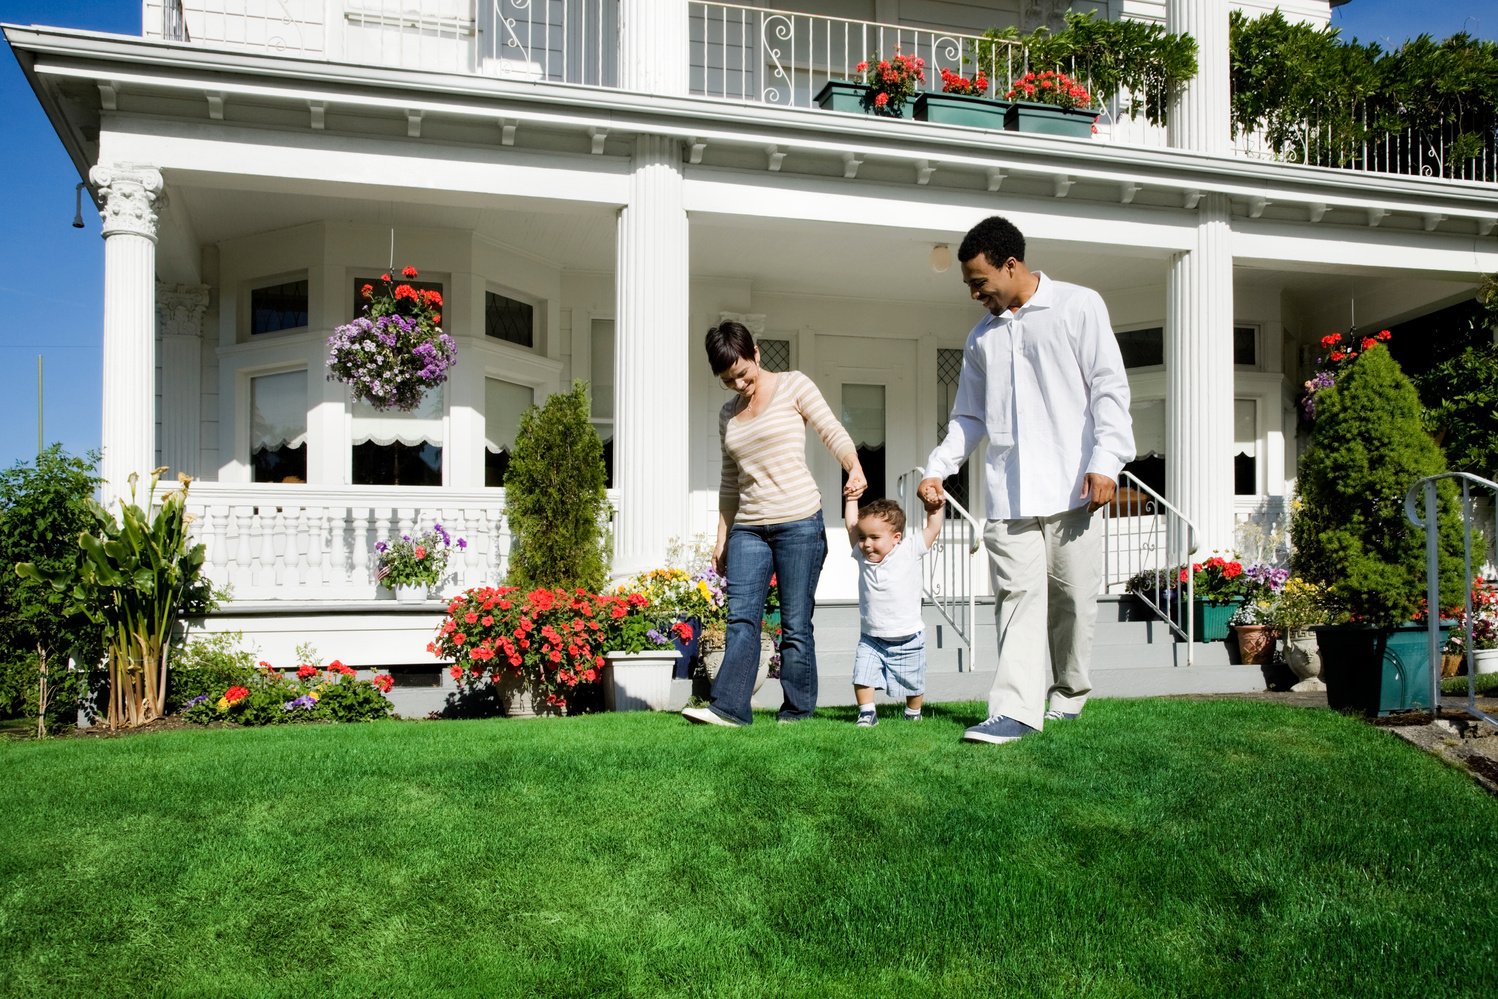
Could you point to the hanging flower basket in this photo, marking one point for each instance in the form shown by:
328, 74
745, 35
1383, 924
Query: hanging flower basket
392, 354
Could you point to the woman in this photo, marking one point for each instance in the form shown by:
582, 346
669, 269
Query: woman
769, 521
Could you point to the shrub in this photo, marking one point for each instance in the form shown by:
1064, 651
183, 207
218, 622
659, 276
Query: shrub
1350, 533
270, 697
555, 499
43, 510
210, 665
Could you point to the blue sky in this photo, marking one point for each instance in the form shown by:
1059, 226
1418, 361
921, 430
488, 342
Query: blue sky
51, 275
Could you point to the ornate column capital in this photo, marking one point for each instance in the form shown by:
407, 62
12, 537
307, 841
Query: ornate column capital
132, 198
180, 308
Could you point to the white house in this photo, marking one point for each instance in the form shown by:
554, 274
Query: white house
592, 185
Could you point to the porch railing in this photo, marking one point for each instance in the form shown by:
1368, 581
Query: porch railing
949, 569
558, 41
783, 57
1144, 538
315, 545
1419, 503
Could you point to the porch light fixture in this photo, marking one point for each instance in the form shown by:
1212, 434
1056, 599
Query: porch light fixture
941, 258
78, 206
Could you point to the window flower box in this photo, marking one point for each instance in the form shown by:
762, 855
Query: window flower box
961, 109
1047, 119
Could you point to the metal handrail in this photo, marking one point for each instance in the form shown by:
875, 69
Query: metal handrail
948, 575
1170, 533
1425, 490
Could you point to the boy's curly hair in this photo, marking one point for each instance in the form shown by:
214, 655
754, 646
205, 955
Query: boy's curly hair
886, 510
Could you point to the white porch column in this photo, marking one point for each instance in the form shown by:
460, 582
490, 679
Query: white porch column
180, 311
1200, 117
1199, 365
131, 196
650, 360
653, 46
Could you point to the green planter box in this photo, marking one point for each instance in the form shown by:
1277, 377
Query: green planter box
1374, 670
844, 95
961, 109
1210, 621
1045, 119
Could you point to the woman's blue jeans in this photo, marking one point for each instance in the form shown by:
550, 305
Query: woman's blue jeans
793, 552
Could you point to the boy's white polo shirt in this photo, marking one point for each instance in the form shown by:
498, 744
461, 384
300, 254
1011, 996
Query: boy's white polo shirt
889, 591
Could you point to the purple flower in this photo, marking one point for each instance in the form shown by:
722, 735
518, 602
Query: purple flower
303, 703
382, 547
462, 544
200, 699
657, 637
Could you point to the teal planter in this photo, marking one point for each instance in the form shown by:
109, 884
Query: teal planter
961, 109
1366, 670
1046, 119
844, 95
1211, 620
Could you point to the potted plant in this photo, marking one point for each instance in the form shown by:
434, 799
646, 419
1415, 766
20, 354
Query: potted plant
1219, 588
1482, 628
641, 657
532, 652
411, 566
891, 84
1253, 627
964, 100
1052, 103
689, 600
1296, 612
1351, 536
392, 354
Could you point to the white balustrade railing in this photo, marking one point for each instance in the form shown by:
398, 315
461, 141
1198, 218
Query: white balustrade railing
314, 545
558, 41
1359, 146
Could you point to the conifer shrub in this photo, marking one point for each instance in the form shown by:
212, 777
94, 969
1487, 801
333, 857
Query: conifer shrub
1349, 531
555, 497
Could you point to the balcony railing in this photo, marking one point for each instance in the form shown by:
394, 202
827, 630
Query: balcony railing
557, 41
743, 54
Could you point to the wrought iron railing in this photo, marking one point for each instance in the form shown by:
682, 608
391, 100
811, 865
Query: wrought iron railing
1145, 543
1419, 504
783, 57
948, 571
1460, 149
1144, 538
174, 22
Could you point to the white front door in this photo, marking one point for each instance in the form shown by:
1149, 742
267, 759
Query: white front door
871, 386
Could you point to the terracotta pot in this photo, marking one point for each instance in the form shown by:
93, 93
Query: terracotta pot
1255, 643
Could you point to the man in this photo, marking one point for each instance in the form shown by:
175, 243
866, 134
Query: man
1043, 378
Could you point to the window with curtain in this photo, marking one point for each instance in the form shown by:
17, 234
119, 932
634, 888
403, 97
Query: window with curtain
1148, 465
399, 449
504, 404
863, 416
1245, 447
278, 427
948, 369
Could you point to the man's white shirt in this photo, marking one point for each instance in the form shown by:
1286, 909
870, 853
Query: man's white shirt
1060, 382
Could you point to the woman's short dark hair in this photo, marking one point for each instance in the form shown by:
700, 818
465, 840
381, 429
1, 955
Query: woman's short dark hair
728, 343
996, 238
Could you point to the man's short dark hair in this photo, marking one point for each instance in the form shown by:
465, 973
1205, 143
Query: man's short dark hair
996, 238
886, 510
728, 343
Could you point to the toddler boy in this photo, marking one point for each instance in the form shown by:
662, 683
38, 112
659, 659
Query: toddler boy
892, 645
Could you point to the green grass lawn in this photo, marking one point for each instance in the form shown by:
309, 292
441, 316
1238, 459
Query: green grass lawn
1164, 847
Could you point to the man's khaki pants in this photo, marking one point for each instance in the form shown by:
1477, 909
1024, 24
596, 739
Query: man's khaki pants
1046, 574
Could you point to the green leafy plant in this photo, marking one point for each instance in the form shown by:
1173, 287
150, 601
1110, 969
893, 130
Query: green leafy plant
1351, 537
43, 510
139, 575
555, 500
208, 664
1142, 63
269, 697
